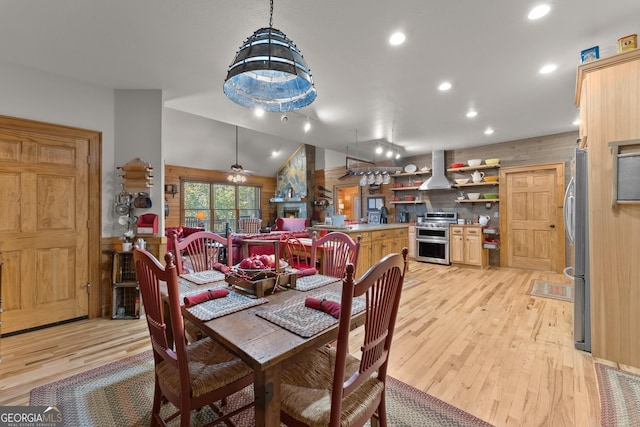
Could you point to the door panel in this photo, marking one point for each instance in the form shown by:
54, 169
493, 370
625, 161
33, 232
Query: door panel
43, 228
532, 217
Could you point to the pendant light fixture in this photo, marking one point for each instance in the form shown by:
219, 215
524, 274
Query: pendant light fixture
269, 71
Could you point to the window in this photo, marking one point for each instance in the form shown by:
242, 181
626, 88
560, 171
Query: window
216, 206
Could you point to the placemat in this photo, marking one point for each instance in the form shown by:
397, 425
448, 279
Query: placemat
204, 277
219, 307
314, 281
305, 321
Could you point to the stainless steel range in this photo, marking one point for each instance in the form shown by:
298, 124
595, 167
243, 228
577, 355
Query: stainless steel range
432, 237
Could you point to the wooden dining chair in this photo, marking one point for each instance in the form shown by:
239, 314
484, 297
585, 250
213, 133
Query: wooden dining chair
330, 387
199, 251
188, 376
249, 225
335, 250
297, 255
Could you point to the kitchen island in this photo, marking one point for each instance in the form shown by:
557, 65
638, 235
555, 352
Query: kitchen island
377, 241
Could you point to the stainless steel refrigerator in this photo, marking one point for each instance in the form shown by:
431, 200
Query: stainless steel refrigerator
576, 219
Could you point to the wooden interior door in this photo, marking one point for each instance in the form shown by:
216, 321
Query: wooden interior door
44, 227
531, 217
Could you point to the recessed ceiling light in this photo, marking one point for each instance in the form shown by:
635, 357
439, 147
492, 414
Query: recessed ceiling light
539, 11
444, 86
472, 113
307, 125
488, 131
576, 122
396, 39
275, 153
549, 68
258, 111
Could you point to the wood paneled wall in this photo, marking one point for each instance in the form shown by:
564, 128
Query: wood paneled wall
174, 173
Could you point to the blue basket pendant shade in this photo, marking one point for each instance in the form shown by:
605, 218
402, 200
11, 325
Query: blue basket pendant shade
270, 72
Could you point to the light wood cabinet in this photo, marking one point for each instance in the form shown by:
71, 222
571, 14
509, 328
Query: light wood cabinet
607, 94
377, 241
411, 233
465, 246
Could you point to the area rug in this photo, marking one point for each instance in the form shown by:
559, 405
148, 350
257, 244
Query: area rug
619, 397
120, 394
559, 291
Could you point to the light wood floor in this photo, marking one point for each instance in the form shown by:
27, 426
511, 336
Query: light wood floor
472, 338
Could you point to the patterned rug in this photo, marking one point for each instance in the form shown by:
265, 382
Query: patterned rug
619, 397
559, 291
120, 394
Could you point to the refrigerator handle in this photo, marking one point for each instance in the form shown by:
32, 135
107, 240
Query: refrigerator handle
568, 209
568, 273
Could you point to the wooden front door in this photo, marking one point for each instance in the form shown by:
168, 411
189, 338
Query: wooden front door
531, 217
44, 226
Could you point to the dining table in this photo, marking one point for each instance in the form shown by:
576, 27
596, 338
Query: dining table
267, 347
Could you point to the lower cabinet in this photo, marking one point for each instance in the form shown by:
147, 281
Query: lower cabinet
465, 246
376, 244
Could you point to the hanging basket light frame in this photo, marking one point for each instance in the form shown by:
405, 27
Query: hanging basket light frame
270, 72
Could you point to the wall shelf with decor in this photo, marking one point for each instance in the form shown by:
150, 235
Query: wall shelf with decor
479, 201
406, 187
476, 184
473, 168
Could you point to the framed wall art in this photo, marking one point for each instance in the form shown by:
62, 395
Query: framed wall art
374, 203
373, 217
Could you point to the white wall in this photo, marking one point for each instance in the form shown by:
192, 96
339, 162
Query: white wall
138, 134
133, 118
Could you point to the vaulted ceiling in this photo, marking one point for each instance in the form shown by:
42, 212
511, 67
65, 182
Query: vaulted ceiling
368, 90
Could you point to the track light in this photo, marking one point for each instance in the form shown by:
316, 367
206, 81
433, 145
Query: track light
379, 149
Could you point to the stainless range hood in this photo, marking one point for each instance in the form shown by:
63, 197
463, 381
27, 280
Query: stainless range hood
438, 180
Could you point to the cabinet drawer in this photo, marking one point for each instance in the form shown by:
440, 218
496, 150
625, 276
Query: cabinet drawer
474, 230
457, 230
381, 234
365, 237
400, 232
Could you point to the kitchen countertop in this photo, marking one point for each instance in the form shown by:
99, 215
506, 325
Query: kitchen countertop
359, 227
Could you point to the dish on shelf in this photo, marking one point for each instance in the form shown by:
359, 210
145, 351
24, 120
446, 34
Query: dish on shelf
410, 168
397, 185
417, 183
460, 197
490, 179
490, 195
396, 199
492, 161
456, 165
425, 169
462, 181
473, 196
409, 198
474, 162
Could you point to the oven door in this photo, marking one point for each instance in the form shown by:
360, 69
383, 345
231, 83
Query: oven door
432, 250
432, 233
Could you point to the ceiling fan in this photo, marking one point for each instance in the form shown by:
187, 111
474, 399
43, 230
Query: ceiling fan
236, 168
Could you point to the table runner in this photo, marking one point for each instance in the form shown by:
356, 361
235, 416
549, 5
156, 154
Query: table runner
314, 281
305, 321
204, 277
219, 307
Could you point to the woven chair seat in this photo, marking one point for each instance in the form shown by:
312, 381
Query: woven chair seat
306, 389
210, 367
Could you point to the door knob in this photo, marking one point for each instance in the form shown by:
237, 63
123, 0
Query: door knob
552, 226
